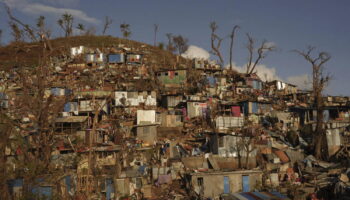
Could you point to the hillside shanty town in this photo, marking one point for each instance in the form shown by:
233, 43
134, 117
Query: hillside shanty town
105, 118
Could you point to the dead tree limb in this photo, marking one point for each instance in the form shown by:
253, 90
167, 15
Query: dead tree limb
216, 42
262, 51
156, 26
319, 82
28, 29
232, 37
107, 24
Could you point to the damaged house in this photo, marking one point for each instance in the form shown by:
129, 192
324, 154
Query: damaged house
133, 124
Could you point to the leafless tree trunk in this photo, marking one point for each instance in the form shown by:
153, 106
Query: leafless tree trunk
239, 149
232, 36
156, 26
319, 82
248, 147
216, 42
97, 109
262, 51
170, 46
0, 37
107, 24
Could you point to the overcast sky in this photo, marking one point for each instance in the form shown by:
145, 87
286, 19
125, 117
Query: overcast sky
288, 24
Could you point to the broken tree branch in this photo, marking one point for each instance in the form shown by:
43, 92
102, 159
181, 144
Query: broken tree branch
216, 42
232, 36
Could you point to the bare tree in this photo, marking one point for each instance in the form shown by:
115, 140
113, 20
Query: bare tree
170, 47
125, 29
216, 42
248, 146
319, 83
232, 37
107, 24
66, 23
156, 26
30, 32
262, 51
181, 44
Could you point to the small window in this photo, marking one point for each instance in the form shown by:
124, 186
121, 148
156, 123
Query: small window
221, 141
200, 181
176, 73
166, 73
159, 74
146, 130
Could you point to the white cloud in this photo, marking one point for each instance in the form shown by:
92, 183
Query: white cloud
302, 81
31, 8
264, 72
62, 2
270, 44
196, 52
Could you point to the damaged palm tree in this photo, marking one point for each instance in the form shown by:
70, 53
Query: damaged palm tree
81, 28
262, 51
16, 32
66, 23
319, 83
125, 29
42, 30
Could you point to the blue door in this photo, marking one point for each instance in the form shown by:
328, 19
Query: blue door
68, 183
226, 185
245, 182
110, 188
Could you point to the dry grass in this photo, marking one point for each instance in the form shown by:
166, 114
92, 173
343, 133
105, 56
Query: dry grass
29, 54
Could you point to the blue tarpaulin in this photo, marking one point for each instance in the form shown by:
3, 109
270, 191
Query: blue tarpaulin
116, 58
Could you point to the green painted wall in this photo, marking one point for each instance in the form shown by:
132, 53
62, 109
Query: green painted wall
172, 77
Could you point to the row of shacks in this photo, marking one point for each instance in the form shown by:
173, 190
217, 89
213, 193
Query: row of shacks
142, 133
